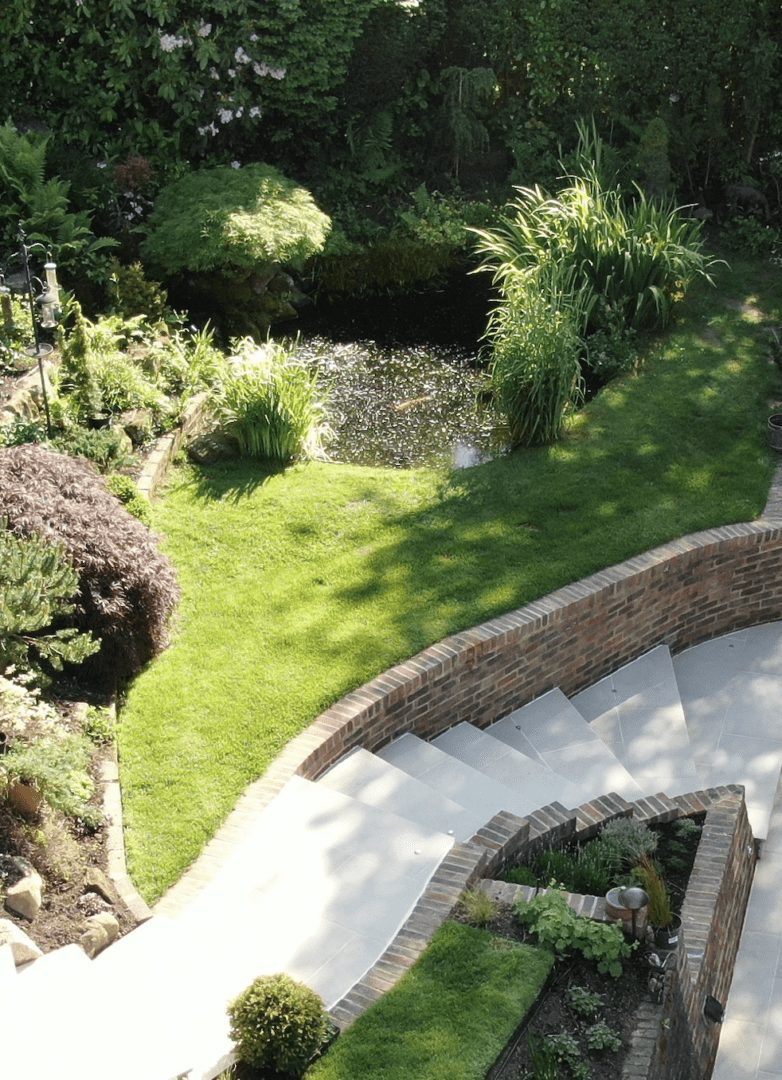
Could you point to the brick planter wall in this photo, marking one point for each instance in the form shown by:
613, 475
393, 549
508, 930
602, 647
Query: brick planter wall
712, 918
682, 593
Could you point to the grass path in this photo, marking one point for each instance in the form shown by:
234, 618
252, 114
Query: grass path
300, 585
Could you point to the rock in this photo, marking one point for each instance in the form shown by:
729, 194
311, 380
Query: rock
96, 881
212, 447
23, 948
94, 940
90, 903
24, 898
108, 923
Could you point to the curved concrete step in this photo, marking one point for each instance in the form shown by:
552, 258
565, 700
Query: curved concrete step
552, 731
638, 714
533, 783
731, 691
452, 778
371, 780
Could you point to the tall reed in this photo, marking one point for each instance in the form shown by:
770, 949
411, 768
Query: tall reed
269, 402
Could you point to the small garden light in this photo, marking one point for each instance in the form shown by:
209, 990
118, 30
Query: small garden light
45, 296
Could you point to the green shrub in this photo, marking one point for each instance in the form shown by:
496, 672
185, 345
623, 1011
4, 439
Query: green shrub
37, 590
588, 869
535, 371
583, 1002
626, 841
21, 430
99, 724
42, 204
278, 1023
135, 294
129, 495
107, 448
557, 926
521, 875
58, 766
127, 588
565, 1050
600, 1037
268, 402
224, 218
14, 338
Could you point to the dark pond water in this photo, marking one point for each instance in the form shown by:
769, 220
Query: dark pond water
402, 377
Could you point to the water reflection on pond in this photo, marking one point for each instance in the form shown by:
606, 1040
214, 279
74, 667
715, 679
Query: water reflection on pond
403, 405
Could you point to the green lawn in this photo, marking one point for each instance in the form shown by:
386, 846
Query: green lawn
449, 1017
300, 585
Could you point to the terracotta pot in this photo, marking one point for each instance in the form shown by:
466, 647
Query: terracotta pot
25, 798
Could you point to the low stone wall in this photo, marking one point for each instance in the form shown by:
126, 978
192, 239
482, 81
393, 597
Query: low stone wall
712, 919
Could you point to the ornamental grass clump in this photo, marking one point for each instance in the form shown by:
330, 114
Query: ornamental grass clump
127, 589
278, 1024
268, 401
535, 371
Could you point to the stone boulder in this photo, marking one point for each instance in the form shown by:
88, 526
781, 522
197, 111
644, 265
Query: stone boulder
101, 931
96, 881
22, 947
212, 447
25, 897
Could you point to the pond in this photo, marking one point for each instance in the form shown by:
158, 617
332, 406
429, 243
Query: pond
402, 377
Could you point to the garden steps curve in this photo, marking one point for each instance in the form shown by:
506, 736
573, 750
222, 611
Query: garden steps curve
304, 883
551, 730
638, 713
533, 782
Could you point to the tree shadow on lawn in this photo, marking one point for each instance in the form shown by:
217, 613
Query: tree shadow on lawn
234, 480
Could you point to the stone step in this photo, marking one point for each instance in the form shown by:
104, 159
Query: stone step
731, 690
533, 783
638, 714
552, 731
371, 780
481, 795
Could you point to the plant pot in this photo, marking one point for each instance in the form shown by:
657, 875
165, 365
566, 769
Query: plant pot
775, 432
667, 937
25, 799
99, 420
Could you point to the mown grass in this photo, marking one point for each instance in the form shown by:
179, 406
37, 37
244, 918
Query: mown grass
299, 585
449, 1017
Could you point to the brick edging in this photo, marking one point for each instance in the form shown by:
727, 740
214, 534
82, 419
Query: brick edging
111, 801
158, 458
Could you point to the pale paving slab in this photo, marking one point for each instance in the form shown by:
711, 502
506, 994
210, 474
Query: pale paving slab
731, 689
371, 780
535, 784
452, 777
638, 714
551, 730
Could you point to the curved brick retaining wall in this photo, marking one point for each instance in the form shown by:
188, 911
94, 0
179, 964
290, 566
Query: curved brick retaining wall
681, 593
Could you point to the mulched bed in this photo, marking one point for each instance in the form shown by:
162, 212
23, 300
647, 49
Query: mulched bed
61, 852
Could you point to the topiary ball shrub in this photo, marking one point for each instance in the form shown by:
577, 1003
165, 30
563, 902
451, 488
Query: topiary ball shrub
127, 588
278, 1023
223, 218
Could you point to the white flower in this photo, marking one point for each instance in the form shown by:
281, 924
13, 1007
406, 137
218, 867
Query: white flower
241, 57
236, 164
101, 165
277, 73
231, 73
169, 42
205, 29
260, 69
214, 73
225, 116
239, 112
255, 111
673, 98
253, 37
